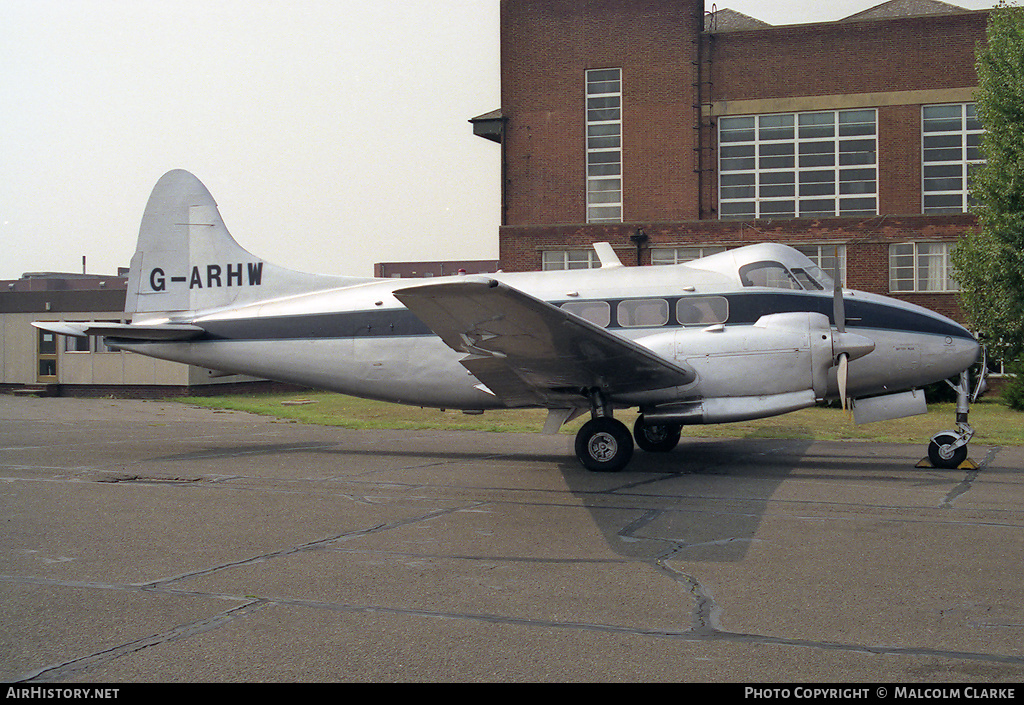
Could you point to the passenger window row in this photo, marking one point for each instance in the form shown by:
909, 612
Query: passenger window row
652, 313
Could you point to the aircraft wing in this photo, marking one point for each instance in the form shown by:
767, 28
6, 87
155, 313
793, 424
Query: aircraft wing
125, 331
529, 352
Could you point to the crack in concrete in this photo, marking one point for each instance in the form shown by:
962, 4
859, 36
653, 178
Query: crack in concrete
71, 669
310, 546
706, 611
706, 632
965, 485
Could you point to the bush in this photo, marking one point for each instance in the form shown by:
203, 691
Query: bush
940, 393
1013, 393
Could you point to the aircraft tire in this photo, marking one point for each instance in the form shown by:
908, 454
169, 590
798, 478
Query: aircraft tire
656, 439
604, 445
941, 457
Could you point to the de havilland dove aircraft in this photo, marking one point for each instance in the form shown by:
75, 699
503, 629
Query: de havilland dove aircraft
748, 333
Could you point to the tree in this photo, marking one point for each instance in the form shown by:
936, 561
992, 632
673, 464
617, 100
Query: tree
989, 262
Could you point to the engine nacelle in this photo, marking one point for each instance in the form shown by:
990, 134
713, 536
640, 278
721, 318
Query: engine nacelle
779, 354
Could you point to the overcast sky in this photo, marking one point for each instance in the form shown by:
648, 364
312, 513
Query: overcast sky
333, 134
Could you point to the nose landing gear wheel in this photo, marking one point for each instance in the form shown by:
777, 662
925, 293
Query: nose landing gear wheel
942, 454
604, 445
948, 449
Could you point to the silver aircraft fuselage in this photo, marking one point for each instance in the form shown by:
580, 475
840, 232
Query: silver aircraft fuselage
758, 361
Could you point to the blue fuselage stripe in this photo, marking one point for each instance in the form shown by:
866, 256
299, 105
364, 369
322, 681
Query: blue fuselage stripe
744, 309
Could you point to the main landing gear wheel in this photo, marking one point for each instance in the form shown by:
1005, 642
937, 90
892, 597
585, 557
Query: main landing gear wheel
604, 445
656, 439
942, 454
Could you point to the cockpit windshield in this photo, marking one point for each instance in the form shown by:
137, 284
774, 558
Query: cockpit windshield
776, 276
769, 264
769, 274
806, 280
818, 274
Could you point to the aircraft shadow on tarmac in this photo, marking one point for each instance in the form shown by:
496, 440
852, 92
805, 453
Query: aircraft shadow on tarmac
705, 499
678, 510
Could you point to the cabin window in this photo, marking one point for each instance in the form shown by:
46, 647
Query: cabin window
702, 310
597, 312
830, 258
637, 313
806, 280
768, 274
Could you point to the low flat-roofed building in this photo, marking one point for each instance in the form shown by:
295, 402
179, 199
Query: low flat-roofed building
40, 362
397, 270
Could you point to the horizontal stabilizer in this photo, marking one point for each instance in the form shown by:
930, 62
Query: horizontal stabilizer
124, 331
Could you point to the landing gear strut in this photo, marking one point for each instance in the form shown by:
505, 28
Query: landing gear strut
603, 444
948, 449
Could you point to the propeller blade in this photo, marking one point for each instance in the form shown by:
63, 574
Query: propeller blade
842, 376
838, 305
839, 309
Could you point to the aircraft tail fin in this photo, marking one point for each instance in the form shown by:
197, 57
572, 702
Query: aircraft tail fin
186, 260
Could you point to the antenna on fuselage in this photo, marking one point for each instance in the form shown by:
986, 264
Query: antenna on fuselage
607, 255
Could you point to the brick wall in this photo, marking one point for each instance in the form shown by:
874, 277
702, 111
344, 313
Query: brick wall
548, 45
546, 48
936, 51
899, 159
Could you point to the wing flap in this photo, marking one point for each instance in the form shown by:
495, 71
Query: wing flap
124, 331
527, 351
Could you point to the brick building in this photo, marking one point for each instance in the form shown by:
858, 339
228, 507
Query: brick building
673, 132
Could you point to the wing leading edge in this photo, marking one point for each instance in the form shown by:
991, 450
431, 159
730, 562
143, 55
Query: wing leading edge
529, 352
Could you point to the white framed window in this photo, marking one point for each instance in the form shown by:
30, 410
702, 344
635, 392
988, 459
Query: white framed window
921, 266
604, 146
950, 148
681, 255
569, 259
74, 344
803, 165
998, 367
831, 259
